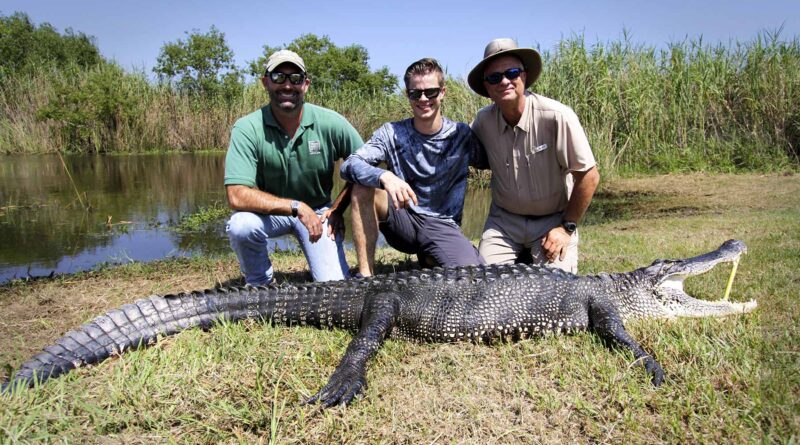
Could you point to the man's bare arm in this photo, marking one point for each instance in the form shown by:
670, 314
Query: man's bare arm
343, 198
556, 241
582, 193
335, 215
247, 199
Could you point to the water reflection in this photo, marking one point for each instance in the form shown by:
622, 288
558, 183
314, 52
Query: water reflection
132, 201
118, 209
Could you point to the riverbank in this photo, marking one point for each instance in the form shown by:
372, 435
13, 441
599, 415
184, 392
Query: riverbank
731, 380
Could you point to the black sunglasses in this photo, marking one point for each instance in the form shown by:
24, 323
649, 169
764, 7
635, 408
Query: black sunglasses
510, 74
430, 93
294, 78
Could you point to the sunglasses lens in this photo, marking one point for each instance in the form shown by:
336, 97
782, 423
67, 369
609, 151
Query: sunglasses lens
430, 93
494, 78
294, 78
510, 74
513, 73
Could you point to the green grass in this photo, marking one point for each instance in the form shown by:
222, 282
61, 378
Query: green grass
730, 380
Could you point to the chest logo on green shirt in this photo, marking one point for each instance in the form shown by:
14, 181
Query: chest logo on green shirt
313, 147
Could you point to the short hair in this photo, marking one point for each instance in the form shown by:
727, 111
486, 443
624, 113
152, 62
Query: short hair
423, 67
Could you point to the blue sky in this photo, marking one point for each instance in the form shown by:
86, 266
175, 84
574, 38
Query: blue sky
398, 33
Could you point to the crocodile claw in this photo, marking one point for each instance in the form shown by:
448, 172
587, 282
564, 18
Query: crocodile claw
342, 388
654, 369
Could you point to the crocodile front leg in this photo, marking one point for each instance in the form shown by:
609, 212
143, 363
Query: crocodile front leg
349, 378
607, 323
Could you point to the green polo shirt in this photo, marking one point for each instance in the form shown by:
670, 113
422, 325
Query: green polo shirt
262, 155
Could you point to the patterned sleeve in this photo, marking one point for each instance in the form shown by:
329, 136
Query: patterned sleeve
361, 166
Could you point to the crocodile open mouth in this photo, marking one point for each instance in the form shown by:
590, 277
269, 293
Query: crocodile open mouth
673, 274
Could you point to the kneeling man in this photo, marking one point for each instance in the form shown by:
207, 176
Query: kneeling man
279, 175
543, 171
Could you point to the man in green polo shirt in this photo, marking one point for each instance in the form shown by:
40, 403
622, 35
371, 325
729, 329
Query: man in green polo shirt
279, 175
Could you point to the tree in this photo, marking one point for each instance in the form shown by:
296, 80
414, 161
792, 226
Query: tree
201, 64
330, 66
24, 45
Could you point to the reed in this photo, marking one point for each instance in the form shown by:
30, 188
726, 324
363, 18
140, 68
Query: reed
688, 106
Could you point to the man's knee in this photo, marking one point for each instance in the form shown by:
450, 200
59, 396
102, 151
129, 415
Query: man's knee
241, 225
498, 248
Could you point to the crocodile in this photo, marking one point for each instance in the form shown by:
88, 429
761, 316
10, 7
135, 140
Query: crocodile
478, 303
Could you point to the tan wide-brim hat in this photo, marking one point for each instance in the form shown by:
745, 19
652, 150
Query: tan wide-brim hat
531, 61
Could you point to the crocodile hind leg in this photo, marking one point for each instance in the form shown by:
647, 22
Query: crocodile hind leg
349, 378
607, 323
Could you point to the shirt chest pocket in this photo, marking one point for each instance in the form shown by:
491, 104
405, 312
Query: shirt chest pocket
545, 176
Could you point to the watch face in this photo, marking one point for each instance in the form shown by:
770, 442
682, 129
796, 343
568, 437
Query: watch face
569, 226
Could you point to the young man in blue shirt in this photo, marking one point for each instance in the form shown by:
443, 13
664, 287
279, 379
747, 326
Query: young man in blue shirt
417, 202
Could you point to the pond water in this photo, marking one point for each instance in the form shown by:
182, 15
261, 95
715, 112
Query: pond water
117, 209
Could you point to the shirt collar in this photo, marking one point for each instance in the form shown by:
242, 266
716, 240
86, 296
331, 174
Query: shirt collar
306, 120
524, 123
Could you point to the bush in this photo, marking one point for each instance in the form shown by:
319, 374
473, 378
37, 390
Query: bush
91, 108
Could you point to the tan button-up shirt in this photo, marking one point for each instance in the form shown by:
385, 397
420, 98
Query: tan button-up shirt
531, 161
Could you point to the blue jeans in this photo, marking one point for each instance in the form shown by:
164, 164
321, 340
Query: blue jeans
248, 233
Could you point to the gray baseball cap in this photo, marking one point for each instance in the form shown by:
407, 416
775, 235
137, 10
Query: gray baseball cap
285, 56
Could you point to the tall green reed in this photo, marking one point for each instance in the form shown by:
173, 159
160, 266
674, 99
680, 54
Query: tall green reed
686, 106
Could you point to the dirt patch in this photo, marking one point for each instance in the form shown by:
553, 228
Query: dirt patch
688, 195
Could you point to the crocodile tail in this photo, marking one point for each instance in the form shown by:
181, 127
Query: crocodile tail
139, 324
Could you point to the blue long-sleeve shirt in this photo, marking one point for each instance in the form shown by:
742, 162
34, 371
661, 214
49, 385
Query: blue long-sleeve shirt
435, 166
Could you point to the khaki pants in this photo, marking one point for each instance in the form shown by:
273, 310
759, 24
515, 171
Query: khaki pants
506, 235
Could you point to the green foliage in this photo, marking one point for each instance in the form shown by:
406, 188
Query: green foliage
91, 109
23, 44
691, 106
203, 218
332, 67
202, 65
686, 107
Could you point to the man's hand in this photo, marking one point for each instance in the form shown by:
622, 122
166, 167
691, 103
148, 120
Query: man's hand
555, 243
335, 221
401, 193
311, 220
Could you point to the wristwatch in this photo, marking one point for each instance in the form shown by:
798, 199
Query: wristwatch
295, 207
569, 226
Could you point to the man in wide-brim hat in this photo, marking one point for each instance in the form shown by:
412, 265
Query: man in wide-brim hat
543, 171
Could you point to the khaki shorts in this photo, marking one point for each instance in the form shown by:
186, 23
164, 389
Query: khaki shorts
506, 235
